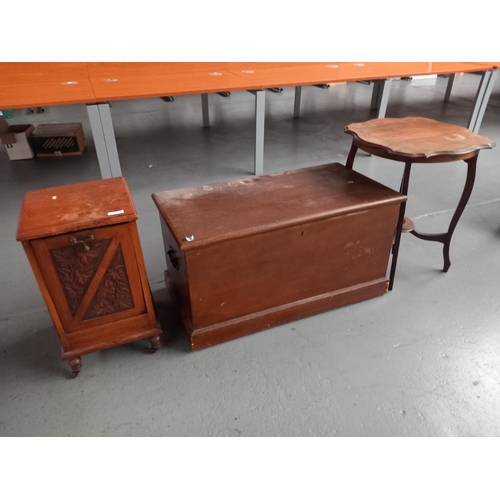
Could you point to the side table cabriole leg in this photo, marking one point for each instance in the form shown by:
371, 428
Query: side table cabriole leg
399, 228
445, 238
469, 184
352, 154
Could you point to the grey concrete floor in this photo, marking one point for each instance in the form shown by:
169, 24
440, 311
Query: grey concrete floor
422, 360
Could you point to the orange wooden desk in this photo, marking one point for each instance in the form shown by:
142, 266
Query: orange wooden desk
316, 73
113, 81
95, 84
122, 81
26, 85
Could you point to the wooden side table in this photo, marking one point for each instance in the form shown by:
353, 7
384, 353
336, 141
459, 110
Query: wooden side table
83, 246
419, 140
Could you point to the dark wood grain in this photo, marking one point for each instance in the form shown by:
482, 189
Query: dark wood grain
421, 140
275, 249
263, 320
228, 210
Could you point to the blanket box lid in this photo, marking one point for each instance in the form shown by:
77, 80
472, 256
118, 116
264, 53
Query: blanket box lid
204, 215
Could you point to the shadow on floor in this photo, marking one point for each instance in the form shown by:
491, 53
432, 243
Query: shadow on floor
166, 312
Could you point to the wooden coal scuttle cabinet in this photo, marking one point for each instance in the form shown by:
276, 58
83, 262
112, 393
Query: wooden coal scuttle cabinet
83, 246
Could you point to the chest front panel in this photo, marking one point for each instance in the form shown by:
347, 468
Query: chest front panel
92, 276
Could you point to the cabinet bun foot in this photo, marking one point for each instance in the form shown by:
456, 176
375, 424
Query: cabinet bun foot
155, 344
76, 365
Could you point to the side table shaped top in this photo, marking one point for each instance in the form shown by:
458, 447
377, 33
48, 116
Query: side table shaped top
416, 138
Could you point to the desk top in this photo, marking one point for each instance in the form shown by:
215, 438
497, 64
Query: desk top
317, 73
137, 69
11, 73
31, 95
27, 85
158, 85
50, 84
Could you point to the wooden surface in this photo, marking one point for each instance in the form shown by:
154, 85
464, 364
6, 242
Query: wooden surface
79, 318
42, 72
89, 266
158, 85
27, 85
138, 69
262, 320
416, 138
74, 208
24, 85
230, 210
38, 93
275, 250
302, 74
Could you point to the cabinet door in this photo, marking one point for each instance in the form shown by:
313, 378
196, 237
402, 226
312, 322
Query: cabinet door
92, 276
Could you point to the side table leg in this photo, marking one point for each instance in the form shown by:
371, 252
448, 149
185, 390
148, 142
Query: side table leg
445, 238
76, 365
155, 344
469, 184
352, 154
399, 227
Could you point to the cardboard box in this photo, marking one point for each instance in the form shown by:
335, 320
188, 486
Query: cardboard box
15, 140
61, 139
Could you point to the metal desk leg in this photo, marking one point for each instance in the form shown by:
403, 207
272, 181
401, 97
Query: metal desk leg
260, 114
109, 139
451, 79
399, 227
385, 88
375, 95
482, 97
99, 142
296, 105
204, 110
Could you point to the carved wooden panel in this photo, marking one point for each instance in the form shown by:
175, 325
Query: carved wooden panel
76, 267
113, 294
92, 276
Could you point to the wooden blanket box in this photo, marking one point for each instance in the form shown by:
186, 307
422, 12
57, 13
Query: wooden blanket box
250, 254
